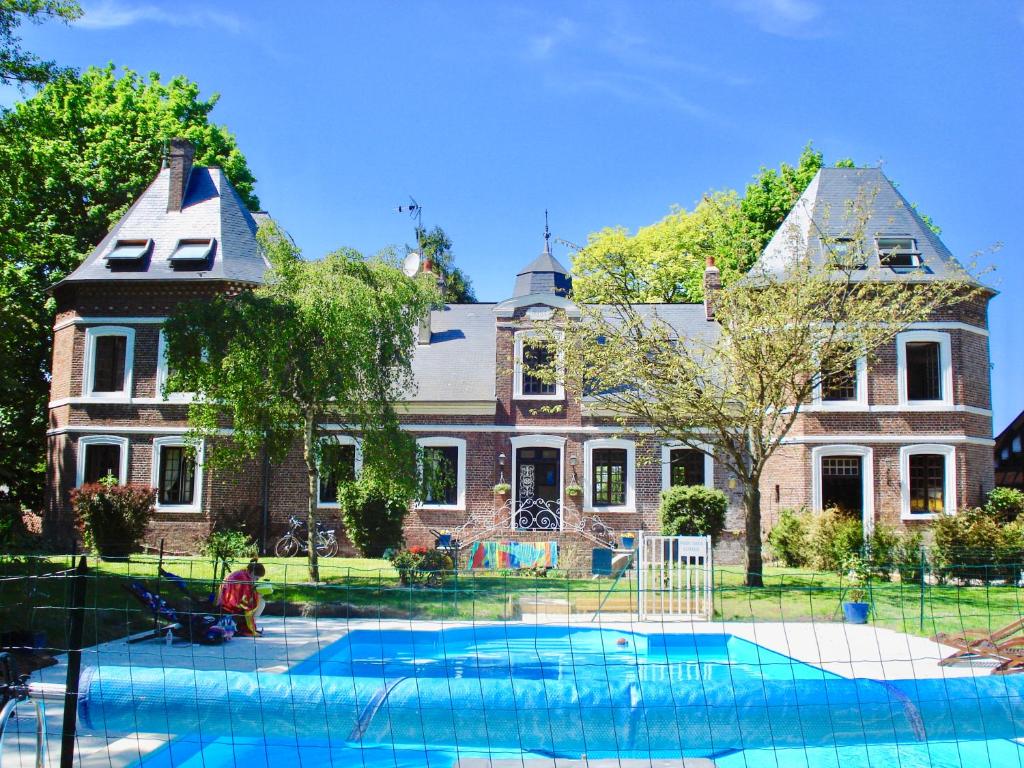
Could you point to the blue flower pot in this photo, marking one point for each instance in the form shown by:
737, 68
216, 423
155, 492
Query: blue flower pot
444, 540
856, 613
628, 542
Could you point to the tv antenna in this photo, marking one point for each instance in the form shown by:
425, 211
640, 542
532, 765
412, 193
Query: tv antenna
415, 211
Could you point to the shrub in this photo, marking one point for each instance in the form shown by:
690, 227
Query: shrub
1005, 504
907, 558
788, 538
693, 510
373, 511
834, 539
112, 518
972, 544
228, 546
882, 548
418, 565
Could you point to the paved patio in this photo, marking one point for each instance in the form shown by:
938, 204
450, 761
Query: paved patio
847, 650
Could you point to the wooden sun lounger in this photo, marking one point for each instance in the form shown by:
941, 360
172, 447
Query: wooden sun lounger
978, 644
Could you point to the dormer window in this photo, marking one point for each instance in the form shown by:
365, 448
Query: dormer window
126, 251
192, 252
535, 364
843, 253
898, 252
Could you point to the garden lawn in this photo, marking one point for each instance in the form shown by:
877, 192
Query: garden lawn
370, 588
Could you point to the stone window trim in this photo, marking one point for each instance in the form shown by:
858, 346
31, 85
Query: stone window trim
867, 472
161, 375
89, 369
945, 369
858, 404
588, 474
177, 441
517, 379
87, 440
460, 471
339, 440
949, 492
666, 462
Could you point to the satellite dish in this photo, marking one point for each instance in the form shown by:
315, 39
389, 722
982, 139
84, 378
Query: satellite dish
411, 265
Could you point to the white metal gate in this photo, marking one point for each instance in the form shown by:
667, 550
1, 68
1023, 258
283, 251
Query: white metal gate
674, 577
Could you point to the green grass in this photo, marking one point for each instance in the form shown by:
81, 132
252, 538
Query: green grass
360, 587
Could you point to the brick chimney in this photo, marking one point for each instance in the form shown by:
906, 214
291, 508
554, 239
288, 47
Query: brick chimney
712, 285
180, 163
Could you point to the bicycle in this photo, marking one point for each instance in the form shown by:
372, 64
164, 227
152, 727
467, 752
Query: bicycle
294, 541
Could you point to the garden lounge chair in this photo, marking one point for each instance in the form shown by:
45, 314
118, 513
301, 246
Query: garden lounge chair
975, 644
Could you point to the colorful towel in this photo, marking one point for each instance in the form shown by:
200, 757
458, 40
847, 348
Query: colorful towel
513, 555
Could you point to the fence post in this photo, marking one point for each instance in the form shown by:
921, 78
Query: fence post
924, 566
77, 611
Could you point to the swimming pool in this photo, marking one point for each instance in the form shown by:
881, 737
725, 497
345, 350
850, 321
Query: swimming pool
570, 691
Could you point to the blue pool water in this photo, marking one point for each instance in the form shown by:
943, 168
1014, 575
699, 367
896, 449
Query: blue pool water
582, 657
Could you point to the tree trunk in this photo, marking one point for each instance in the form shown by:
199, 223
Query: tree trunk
309, 453
752, 505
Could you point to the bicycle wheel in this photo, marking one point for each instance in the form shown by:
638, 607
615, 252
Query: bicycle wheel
326, 546
287, 546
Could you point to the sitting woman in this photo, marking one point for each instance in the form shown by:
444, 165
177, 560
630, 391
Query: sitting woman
239, 597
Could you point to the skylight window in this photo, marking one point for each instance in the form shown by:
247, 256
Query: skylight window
129, 250
192, 251
898, 252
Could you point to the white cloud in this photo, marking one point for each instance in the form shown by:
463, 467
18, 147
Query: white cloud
787, 18
544, 45
111, 14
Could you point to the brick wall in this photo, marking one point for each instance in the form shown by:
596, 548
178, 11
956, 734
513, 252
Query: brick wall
786, 483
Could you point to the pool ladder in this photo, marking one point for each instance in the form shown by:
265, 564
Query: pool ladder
14, 690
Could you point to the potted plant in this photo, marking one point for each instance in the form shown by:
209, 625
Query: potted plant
501, 492
855, 606
572, 490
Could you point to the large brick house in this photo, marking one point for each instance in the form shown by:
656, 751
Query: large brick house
901, 440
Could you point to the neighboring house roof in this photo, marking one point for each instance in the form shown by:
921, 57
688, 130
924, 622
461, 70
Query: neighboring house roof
211, 208
832, 206
1010, 470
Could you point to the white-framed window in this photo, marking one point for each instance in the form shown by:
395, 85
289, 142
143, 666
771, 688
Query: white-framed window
686, 465
445, 456
924, 369
843, 389
609, 471
177, 475
844, 476
99, 456
898, 251
109, 355
527, 356
344, 454
927, 481
163, 373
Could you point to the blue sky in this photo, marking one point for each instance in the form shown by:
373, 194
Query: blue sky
605, 113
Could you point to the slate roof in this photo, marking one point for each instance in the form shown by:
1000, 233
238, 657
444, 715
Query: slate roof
459, 363
211, 209
830, 207
545, 274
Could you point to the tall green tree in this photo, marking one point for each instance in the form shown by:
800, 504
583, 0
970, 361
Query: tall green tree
321, 342
664, 262
73, 157
781, 336
17, 65
435, 245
